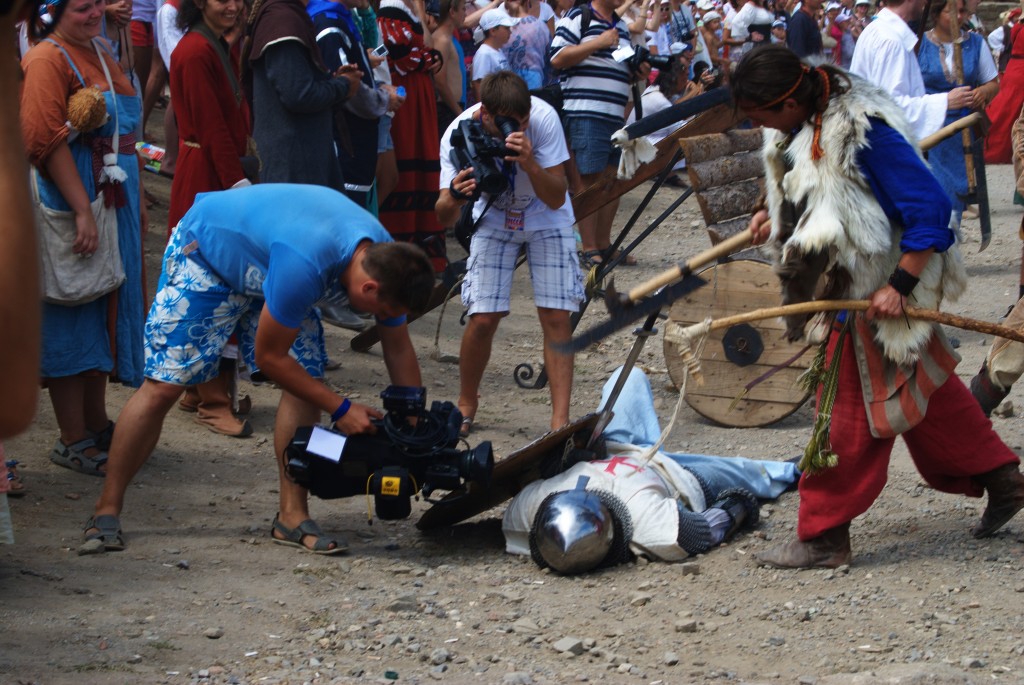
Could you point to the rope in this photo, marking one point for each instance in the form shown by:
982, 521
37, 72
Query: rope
436, 354
818, 455
692, 363
685, 339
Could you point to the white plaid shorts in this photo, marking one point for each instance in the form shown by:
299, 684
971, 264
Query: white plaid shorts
554, 269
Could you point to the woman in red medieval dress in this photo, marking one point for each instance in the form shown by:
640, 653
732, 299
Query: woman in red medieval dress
408, 212
1006, 106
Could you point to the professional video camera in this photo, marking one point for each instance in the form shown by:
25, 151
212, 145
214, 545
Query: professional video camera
473, 147
641, 55
413, 450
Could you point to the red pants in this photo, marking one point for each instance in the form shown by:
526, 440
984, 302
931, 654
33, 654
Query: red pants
954, 442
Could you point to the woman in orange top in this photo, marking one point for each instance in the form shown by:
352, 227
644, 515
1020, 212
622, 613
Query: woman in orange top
84, 344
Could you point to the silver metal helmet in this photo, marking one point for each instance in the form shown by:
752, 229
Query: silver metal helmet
573, 531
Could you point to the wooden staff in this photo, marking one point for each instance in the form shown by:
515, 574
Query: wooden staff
816, 306
958, 75
950, 130
684, 337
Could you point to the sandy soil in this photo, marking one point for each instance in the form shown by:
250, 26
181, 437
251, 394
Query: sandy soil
201, 596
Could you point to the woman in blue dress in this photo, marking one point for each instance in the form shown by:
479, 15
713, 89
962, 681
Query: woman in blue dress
85, 344
938, 70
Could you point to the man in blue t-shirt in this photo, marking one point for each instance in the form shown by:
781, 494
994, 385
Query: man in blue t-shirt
803, 34
255, 262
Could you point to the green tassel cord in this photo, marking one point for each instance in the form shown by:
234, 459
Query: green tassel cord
818, 454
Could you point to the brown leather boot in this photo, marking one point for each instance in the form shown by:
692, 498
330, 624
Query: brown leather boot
985, 391
1005, 487
831, 549
214, 409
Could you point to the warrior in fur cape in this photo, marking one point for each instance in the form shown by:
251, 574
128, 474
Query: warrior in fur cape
855, 212
831, 237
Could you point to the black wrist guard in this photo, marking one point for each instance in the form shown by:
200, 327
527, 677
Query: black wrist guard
462, 197
903, 282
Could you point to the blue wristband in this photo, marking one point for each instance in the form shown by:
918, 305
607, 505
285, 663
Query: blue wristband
341, 410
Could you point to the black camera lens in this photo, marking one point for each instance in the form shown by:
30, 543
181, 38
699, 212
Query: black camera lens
507, 125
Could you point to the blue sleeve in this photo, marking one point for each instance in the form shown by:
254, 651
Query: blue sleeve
292, 286
906, 189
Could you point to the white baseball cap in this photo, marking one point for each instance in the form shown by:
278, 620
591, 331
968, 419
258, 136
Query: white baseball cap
710, 16
705, 5
496, 17
833, 6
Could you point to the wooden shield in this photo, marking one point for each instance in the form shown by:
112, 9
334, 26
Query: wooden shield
735, 357
510, 475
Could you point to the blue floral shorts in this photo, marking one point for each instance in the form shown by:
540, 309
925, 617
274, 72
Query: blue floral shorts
194, 315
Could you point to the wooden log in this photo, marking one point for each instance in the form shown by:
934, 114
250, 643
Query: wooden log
726, 170
727, 229
728, 202
711, 147
608, 188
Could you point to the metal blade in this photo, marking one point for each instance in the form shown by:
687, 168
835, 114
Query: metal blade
984, 210
625, 316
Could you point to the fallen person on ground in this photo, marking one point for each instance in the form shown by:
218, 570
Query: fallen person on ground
669, 507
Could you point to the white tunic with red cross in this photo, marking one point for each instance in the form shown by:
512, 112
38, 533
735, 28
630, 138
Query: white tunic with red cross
649, 491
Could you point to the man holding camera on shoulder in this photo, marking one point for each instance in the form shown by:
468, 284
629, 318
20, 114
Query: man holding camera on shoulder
244, 260
534, 210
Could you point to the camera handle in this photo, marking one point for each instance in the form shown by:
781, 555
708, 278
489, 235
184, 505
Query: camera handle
464, 233
637, 96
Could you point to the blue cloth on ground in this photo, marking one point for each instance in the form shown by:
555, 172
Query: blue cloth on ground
636, 423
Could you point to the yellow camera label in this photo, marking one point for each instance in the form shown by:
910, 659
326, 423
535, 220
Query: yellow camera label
390, 485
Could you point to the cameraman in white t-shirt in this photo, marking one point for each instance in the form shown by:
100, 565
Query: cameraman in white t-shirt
534, 210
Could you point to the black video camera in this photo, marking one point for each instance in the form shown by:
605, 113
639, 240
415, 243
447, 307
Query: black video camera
641, 55
402, 459
473, 147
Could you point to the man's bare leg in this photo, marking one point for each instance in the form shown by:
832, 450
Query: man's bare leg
588, 225
294, 499
474, 354
596, 229
605, 217
138, 429
559, 367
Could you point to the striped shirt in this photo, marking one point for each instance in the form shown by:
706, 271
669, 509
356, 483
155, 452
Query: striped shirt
598, 86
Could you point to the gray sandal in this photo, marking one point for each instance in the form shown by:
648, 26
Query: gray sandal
293, 538
73, 457
108, 532
104, 437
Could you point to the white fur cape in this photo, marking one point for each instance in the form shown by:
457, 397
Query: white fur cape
834, 214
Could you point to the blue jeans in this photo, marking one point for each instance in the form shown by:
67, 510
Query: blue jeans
636, 423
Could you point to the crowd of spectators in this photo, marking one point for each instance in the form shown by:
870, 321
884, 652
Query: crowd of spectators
357, 95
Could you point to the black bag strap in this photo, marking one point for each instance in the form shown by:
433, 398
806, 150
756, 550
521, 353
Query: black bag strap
463, 235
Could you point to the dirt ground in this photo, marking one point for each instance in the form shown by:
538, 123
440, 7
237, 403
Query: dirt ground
201, 596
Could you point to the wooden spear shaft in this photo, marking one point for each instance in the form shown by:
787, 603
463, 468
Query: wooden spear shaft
935, 316
953, 7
